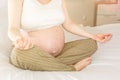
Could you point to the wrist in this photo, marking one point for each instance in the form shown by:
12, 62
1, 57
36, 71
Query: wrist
92, 36
15, 38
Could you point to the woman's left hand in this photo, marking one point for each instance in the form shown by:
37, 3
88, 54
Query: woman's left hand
102, 37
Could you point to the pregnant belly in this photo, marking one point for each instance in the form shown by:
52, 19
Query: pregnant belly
50, 40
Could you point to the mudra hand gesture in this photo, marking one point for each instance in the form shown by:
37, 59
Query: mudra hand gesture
23, 43
102, 37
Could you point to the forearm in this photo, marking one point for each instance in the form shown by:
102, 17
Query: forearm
75, 29
14, 33
14, 18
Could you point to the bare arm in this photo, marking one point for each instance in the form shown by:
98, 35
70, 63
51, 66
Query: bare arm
14, 15
70, 26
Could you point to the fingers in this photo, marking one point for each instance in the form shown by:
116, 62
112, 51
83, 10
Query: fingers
107, 37
23, 43
28, 44
19, 43
103, 37
108, 34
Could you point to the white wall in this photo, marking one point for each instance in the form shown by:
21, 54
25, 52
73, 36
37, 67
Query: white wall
3, 11
82, 11
3, 3
3, 25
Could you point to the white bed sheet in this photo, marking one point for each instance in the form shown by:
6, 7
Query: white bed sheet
105, 64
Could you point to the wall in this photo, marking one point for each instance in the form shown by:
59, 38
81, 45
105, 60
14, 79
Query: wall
3, 2
3, 26
82, 11
3, 12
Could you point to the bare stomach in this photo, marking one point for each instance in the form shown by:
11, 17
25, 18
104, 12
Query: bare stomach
50, 40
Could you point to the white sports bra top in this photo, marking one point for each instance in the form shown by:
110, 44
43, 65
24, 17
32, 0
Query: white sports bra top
40, 16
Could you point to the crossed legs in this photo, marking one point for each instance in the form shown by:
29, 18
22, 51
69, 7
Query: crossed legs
75, 56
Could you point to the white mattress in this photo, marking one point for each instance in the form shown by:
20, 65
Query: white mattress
105, 64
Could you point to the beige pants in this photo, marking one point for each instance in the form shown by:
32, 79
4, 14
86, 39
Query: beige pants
38, 60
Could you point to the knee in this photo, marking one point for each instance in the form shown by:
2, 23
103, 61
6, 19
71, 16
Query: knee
93, 46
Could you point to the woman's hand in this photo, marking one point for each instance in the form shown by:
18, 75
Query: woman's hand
102, 37
23, 43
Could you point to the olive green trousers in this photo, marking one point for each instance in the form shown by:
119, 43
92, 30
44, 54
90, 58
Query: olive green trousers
38, 60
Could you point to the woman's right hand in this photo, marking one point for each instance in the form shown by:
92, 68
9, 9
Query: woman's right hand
23, 43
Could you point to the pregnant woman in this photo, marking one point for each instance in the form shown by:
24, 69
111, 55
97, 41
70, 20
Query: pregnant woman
36, 30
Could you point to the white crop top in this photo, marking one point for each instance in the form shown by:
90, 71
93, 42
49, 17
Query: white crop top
40, 16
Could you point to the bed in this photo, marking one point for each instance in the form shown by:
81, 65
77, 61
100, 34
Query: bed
105, 62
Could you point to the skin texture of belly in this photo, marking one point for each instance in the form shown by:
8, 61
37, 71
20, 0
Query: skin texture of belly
50, 40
